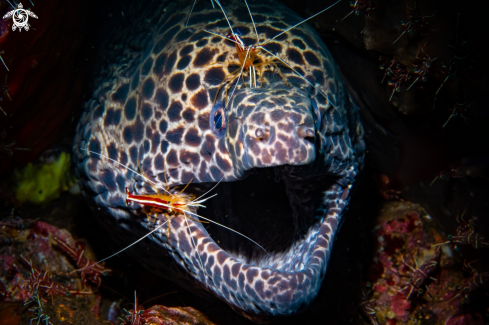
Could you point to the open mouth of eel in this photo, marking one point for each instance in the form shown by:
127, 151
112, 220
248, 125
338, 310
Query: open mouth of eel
291, 215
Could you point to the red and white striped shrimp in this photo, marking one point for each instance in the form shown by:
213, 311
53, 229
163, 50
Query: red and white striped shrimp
247, 54
172, 202
166, 201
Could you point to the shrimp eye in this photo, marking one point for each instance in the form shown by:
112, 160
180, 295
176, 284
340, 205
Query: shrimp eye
316, 113
217, 119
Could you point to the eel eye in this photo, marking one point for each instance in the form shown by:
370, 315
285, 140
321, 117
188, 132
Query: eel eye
217, 119
316, 113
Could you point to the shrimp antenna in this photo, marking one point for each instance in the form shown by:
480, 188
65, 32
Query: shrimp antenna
195, 246
137, 241
290, 67
229, 39
208, 191
191, 9
285, 31
253, 21
11, 4
127, 167
239, 76
5, 68
347, 15
237, 232
226, 16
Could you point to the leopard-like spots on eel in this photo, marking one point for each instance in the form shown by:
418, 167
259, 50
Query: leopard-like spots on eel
153, 109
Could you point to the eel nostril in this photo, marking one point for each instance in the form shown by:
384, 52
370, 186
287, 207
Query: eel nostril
305, 132
259, 133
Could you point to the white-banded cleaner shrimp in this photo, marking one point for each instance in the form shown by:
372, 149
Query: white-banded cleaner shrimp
173, 202
248, 53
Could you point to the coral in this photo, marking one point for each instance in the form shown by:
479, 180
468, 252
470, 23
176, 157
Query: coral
46, 276
416, 275
38, 275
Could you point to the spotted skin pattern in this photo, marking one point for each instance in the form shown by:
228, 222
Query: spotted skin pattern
154, 108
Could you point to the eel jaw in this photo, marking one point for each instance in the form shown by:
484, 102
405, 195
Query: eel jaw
279, 284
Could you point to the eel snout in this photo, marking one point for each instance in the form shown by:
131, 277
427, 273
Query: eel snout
275, 131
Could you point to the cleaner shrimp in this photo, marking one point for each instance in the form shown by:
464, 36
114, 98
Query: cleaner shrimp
172, 202
248, 54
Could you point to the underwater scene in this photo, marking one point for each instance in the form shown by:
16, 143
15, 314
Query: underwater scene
244, 162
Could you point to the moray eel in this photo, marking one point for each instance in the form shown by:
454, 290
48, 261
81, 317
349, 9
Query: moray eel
164, 107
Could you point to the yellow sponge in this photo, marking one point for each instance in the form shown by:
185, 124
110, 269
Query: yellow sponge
41, 184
